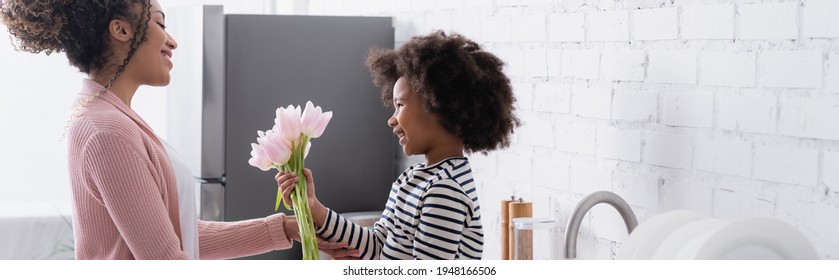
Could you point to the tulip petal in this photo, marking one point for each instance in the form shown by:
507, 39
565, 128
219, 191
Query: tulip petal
258, 158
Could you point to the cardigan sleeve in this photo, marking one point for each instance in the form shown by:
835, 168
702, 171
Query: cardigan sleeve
224, 240
121, 177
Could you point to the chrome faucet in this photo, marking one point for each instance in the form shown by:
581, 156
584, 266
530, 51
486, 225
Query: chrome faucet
584, 206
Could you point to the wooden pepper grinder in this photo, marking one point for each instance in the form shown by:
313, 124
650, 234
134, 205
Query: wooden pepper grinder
505, 228
519, 209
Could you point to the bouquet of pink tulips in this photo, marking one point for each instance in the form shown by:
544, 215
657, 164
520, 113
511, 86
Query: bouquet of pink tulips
284, 148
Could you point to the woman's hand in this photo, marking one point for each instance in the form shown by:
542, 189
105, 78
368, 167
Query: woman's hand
338, 251
335, 250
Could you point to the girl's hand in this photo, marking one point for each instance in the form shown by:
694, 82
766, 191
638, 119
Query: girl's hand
287, 181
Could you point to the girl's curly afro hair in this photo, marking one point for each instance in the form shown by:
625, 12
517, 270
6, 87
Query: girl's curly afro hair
460, 83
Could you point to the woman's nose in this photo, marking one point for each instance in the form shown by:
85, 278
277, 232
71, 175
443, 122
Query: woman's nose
172, 43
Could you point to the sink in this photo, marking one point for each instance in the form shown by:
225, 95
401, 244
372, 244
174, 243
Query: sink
573, 228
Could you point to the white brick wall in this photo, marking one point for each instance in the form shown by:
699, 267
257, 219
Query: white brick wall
535, 131
623, 65
770, 21
634, 106
534, 60
733, 157
524, 95
608, 26
708, 22
567, 27
529, 29
551, 173
516, 167
655, 24
727, 107
640, 190
727, 69
581, 64
732, 206
575, 137
830, 170
554, 62
468, 26
687, 109
555, 98
749, 113
496, 29
687, 195
786, 165
589, 179
814, 117
619, 144
820, 20
668, 150
591, 102
790, 69
672, 67
833, 72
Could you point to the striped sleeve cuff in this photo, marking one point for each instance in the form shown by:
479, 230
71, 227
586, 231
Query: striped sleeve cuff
330, 225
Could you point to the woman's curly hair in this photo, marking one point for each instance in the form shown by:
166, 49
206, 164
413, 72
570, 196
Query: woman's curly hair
79, 28
461, 84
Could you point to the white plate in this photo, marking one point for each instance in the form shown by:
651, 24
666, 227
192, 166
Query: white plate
757, 239
684, 241
646, 237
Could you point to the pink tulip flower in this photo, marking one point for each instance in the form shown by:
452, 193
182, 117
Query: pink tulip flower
274, 147
280, 148
314, 121
259, 159
288, 120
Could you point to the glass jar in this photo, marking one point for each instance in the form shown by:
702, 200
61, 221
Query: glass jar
535, 239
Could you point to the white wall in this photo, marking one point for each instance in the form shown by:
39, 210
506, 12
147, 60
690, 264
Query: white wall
728, 108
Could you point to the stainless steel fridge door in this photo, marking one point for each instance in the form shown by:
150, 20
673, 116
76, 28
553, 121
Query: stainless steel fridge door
212, 201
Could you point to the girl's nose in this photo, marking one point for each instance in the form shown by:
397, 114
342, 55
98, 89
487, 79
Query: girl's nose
392, 121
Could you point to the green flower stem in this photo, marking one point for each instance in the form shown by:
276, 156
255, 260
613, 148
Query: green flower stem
305, 224
299, 197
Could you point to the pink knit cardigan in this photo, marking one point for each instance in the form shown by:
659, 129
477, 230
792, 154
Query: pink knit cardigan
125, 197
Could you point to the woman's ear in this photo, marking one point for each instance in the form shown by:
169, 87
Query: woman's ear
120, 30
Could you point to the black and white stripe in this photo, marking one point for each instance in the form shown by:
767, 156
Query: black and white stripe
431, 213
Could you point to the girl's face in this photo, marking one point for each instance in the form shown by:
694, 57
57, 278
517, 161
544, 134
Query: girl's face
418, 131
152, 59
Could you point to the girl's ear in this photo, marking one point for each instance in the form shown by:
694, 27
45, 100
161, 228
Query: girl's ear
120, 30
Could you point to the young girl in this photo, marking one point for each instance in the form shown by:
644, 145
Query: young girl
449, 96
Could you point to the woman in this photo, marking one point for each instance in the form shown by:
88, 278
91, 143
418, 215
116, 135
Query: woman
125, 191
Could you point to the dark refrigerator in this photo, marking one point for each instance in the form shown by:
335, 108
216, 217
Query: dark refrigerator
231, 73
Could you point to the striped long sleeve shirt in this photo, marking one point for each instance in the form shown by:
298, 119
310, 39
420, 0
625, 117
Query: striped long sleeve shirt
432, 212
